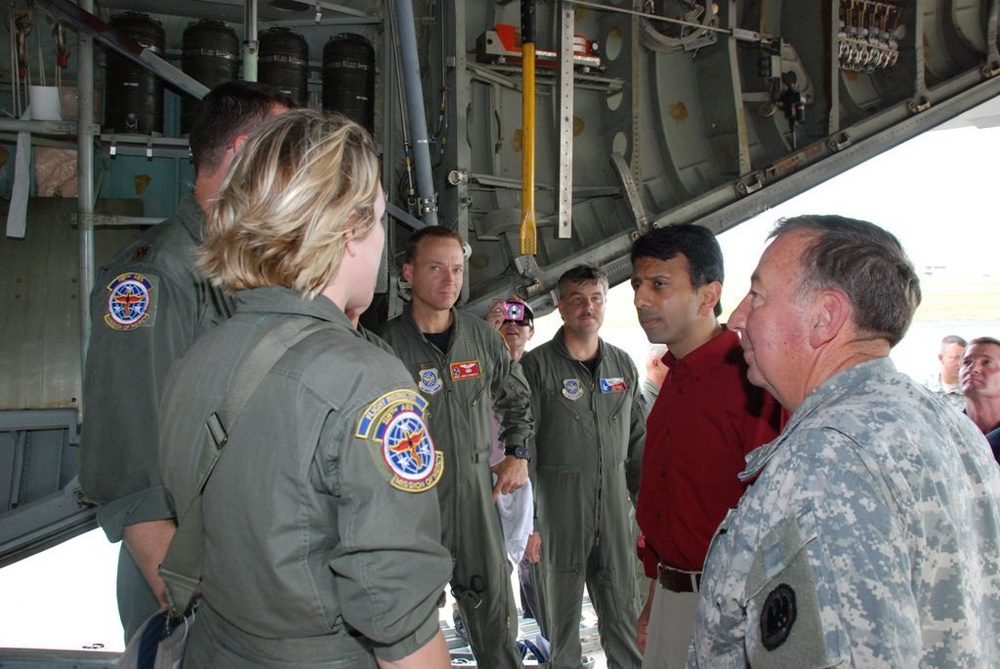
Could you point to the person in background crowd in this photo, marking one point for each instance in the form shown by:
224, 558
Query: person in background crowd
148, 305
515, 320
705, 421
945, 381
321, 526
980, 375
590, 424
871, 534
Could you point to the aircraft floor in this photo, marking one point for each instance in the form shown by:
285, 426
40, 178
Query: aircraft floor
461, 654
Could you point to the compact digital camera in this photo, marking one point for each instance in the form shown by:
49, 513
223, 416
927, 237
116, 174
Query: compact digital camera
513, 311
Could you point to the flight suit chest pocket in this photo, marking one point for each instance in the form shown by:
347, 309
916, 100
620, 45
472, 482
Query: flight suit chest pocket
477, 393
792, 606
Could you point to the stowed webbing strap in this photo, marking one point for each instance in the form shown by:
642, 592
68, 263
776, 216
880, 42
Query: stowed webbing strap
182, 565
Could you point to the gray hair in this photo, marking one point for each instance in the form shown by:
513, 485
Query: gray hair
865, 262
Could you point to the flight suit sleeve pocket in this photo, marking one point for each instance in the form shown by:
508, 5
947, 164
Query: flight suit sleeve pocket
792, 609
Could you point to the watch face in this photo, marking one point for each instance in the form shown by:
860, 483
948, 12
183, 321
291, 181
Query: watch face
520, 452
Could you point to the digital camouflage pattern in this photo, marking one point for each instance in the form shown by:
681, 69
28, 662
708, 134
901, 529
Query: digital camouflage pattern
870, 539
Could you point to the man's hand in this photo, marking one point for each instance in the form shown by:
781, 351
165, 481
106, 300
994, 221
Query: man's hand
148, 542
512, 473
533, 550
642, 625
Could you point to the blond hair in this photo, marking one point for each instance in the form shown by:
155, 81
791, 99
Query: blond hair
299, 188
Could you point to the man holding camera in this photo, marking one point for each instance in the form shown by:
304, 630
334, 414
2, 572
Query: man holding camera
463, 369
591, 426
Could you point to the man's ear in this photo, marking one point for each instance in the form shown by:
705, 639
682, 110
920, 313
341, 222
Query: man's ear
407, 272
710, 295
830, 313
238, 142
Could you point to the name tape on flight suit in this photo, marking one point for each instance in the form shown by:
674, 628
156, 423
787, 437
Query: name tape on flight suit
465, 370
614, 384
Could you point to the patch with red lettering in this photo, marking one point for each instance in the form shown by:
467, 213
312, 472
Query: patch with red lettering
465, 370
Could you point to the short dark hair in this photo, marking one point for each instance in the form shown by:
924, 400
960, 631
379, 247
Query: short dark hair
581, 274
436, 231
864, 261
229, 110
985, 340
696, 242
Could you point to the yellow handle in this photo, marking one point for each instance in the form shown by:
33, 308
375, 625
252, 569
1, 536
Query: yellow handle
528, 232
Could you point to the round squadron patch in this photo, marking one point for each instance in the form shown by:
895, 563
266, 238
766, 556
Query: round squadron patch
777, 617
399, 442
571, 389
130, 302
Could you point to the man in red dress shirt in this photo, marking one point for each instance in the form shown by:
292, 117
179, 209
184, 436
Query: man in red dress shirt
706, 418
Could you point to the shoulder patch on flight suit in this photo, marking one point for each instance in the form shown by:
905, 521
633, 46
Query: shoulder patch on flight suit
399, 442
571, 389
131, 301
465, 370
614, 384
430, 381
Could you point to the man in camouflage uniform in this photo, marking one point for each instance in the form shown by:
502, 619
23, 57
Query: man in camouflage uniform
871, 536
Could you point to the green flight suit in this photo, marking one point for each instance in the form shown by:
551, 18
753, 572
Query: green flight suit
590, 431
321, 522
463, 386
148, 305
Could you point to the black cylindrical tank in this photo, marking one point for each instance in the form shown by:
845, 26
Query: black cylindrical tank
211, 54
134, 95
283, 62
349, 78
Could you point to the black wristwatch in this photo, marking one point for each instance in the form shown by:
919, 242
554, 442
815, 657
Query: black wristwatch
519, 451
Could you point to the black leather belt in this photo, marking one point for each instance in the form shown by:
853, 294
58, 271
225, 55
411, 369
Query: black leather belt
676, 580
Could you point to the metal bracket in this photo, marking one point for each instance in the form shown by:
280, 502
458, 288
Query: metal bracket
631, 192
751, 184
458, 177
839, 142
921, 104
